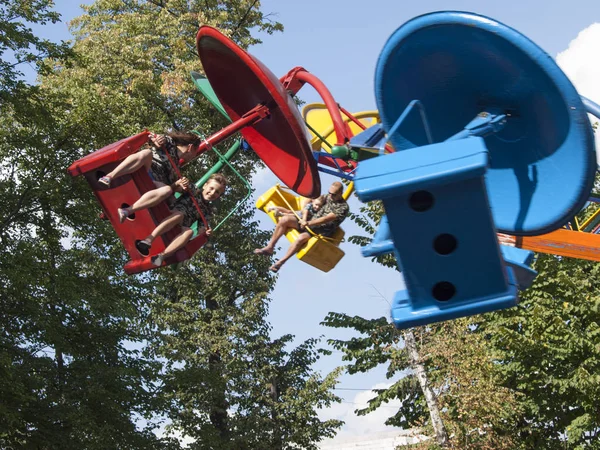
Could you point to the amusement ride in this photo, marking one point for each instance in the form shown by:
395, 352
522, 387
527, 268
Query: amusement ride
481, 151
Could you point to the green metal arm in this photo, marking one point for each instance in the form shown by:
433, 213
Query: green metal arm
224, 160
207, 91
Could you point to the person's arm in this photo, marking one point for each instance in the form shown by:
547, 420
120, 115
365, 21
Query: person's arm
305, 214
321, 220
180, 185
201, 227
158, 139
303, 221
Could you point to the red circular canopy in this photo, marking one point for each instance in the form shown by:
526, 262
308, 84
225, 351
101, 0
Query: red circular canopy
242, 82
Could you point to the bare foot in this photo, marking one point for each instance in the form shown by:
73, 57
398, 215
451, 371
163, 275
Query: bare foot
266, 251
275, 267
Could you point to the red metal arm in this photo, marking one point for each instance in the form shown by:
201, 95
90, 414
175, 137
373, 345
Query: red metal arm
299, 74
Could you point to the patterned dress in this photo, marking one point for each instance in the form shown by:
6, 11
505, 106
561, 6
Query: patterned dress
161, 169
340, 209
185, 204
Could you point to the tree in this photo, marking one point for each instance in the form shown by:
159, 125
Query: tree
68, 378
548, 353
229, 384
206, 321
478, 411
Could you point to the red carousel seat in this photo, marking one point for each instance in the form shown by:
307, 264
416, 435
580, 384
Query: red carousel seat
124, 191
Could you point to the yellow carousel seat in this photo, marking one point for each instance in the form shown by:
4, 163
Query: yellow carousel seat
318, 118
320, 252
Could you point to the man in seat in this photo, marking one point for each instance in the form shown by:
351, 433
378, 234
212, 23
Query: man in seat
324, 222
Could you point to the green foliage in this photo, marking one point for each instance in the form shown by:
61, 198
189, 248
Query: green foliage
478, 412
550, 351
380, 343
69, 379
19, 45
368, 217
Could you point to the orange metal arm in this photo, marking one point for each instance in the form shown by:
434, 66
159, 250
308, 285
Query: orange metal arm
561, 242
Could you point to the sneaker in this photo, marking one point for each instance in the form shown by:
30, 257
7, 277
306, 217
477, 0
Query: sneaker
123, 214
157, 260
105, 181
143, 247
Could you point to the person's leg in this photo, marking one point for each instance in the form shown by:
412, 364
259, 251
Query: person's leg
294, 248
143, 246
284, 224
149, 199
129, 165
177, 243
176, 218
152, 198
279, 211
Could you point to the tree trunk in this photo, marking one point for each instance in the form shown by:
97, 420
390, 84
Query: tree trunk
218, 409
277, 440
436, 421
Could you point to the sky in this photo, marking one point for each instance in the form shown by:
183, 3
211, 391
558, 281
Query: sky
339, 41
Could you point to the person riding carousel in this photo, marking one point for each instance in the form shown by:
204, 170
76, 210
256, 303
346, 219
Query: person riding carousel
161, 160
324, 222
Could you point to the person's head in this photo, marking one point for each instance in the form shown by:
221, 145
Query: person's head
214, 187
187, 143
318, 202
336, 190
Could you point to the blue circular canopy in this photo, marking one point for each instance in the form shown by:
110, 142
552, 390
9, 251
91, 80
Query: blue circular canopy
460, 64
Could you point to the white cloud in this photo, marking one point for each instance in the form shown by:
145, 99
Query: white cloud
371, 424
581, 64
263, 180
164, 430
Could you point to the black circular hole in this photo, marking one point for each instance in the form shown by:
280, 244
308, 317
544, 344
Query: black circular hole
443, 291
130, 216
445, 244
421, 201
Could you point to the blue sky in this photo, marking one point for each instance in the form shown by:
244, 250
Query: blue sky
339, 41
